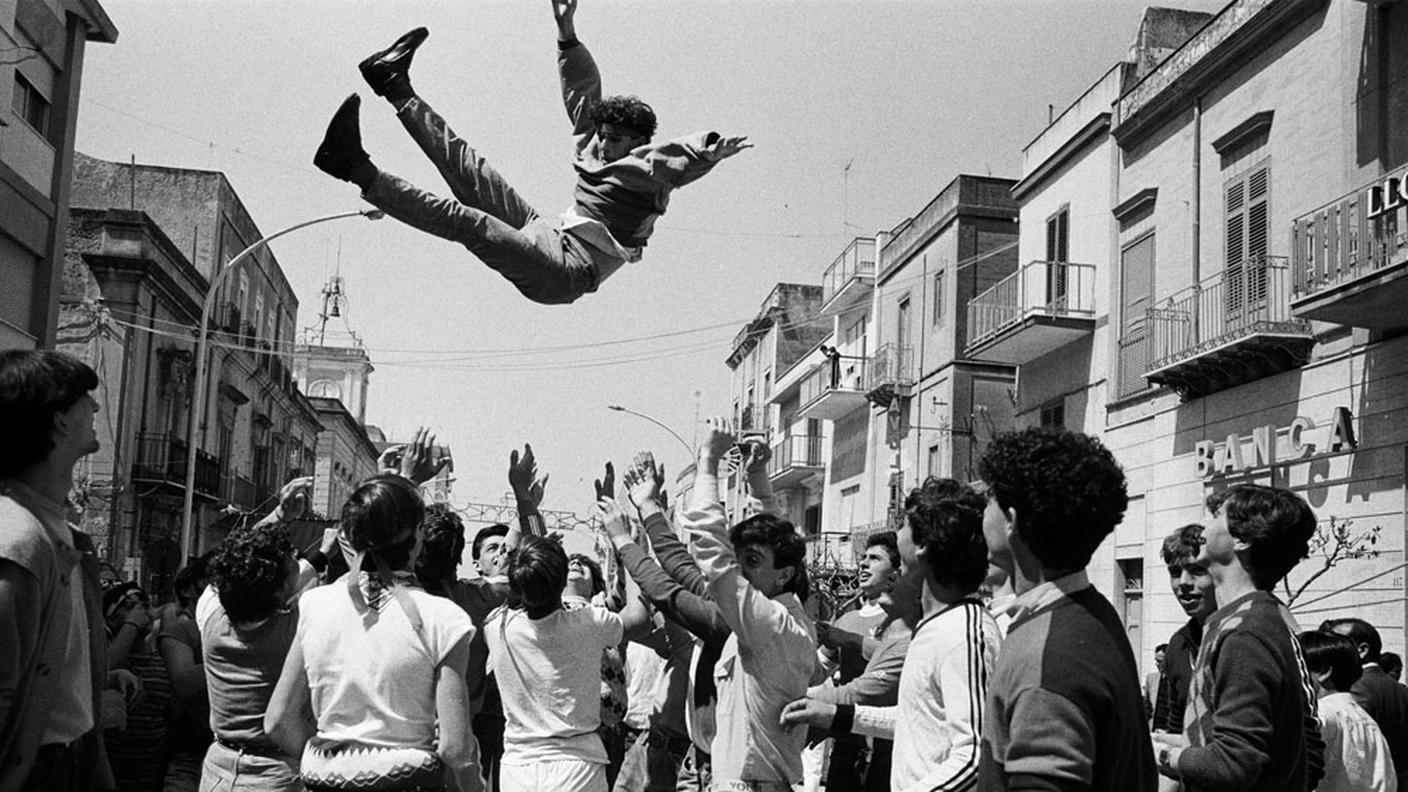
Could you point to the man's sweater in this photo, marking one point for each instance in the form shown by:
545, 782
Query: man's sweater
1178, 674
1251, 722
1064, 706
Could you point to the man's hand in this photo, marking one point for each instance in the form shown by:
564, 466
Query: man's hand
645, 480
293, 498
727, 147
756, 455
418, 460
809, 712
563, 11
329, 542
718, 439
606, 485
828, 635
523, 477
615, 521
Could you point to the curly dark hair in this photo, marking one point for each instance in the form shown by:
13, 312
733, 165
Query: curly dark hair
248, 571
945, 520
626, 111
780, 536
381, 517
35, 386
1182, 545
887, 541
1276, 522
441, 544
1066, 488
537, 572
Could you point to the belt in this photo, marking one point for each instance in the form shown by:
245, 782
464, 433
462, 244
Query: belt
663, 741
266, 750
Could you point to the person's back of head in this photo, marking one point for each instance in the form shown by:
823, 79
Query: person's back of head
36, 387
190, 580
1276, 524
441, 545
250, 570
1065, 489
781, 538
1333, 660
1392, 664
945, 521
381, 518
537, 574
1368, 645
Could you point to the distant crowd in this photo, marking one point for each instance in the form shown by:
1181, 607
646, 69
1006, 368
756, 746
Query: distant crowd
687, 651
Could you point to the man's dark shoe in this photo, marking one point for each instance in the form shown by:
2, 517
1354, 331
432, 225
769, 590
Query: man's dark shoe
341, 151
389, 72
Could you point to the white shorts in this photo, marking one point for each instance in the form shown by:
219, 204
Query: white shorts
553, 775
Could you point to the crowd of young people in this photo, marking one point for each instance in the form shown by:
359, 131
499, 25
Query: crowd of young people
685, 654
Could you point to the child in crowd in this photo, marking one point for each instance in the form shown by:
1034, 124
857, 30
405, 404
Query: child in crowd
1356, 754
546, 657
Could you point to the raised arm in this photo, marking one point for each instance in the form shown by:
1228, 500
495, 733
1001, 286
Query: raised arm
528, 493
581, 82
748, 611
756, 456
697, 614
644, 481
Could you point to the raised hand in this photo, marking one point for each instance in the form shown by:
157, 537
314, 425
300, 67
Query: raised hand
523, 477
606, 485
564, 11
418, 461
614, 520
645, 480
718, 438
390, 460
756, 454
294, 497
727, 147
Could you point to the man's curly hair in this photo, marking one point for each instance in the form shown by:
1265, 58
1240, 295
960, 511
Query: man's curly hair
441, 544
626, 111
248, 571
945, 520
1066, 488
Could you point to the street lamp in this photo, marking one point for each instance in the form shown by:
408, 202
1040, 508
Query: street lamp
202, 345
618, 408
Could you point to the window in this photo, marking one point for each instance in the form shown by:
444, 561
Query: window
1248, 202
933, 469
31, 105
1057, 249
939, 297
902, 326
1131, 595
1053, 415
811, 520
1136, 295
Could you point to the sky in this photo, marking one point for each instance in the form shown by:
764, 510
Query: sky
860, 112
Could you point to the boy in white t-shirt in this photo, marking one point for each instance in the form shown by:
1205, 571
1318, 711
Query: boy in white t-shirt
547, 659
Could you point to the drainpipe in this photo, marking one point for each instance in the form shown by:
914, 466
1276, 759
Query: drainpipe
1197, 202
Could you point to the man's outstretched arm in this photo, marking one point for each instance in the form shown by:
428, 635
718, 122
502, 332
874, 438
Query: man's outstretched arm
581, 82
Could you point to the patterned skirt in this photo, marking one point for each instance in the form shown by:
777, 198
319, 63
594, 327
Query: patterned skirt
329, 766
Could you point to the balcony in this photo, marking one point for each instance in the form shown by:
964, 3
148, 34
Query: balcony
834, 389
1350, 259
161, 459
1233, 328
240, 492
1036, 310
795, 458
850, 278
891, 374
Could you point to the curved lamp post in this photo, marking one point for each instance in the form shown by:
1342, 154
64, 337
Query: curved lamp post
202, 345
689, 452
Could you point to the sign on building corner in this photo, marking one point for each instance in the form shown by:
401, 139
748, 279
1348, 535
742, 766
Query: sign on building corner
1302, 440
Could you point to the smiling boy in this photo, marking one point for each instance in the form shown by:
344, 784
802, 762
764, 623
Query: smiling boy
1192, 586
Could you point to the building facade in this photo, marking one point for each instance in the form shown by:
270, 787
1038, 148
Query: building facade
141, 255
1236, 206
42, 45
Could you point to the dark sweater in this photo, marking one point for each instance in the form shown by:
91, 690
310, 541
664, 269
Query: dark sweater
1178, 675
1065, 709
1386, 701
1251, 721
